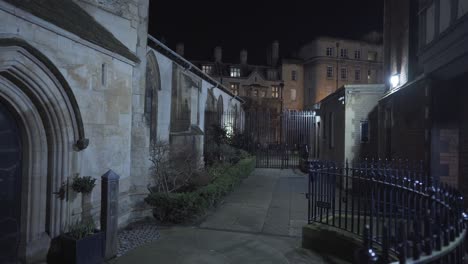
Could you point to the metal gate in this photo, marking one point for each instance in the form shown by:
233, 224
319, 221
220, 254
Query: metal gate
278, 140
284, 140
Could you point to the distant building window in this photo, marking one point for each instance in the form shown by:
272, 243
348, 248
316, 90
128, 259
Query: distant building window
235, 88
364, 131
235, 72
372, 55
293, 75
357, 75
255, 93
369, 74
207, 69
344, 53
272, 74
329, 71
275, 91
263, 94
329, 52
357, 54
344, 73
293, 95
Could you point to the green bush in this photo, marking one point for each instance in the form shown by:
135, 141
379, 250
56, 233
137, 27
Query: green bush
83, 184
183, 207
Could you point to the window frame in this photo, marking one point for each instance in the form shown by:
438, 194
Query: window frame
361, 134
275, 91
332, 72
329, 51
356, 71
234, 72
357, 54
293, 75
344, 53
207, 69
346, 73
234, 87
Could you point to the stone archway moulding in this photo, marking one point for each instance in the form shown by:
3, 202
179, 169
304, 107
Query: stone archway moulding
52, 130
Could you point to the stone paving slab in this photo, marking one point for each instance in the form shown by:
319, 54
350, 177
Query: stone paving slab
260, 222
183, 245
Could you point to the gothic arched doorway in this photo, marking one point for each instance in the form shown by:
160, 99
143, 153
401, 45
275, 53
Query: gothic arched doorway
10, 186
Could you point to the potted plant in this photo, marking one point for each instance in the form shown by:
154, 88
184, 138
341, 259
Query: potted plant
83, 243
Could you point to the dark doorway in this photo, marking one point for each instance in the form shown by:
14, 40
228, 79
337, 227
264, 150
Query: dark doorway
10, 186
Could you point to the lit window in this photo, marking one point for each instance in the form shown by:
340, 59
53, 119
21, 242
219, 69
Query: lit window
263, 94
344, 73
207, 69
364, 131
357, 75
344, 53
372, 55
369, 74
329, 52
329, 71
275, 91
293, 75
235, 88
357, 54
235, 72
293, 95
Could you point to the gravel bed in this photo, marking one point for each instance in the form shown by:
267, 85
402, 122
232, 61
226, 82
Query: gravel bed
135, 235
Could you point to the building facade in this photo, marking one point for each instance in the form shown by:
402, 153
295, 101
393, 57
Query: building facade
273, 87
423, 113
346, 124
330, 63
82, 93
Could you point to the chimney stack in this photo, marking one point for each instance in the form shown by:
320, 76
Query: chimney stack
218, 54
275, 53
180, 49
243, 57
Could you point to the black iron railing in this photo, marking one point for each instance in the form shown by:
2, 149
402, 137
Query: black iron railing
400, 213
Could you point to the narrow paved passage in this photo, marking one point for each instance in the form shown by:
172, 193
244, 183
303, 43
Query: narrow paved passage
260, 222
270, 201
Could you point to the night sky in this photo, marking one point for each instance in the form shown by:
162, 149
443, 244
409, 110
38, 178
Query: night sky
253, 25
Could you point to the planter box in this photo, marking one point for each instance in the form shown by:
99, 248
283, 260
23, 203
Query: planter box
88, 250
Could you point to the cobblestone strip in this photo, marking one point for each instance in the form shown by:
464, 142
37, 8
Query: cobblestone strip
136, 235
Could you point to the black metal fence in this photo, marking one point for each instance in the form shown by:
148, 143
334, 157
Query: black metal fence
400, 213
277, 139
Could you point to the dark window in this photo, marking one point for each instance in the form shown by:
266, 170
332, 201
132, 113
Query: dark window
329, 72
293, 75
344, 53
364, 131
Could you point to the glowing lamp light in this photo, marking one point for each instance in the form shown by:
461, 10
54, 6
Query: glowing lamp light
395, 80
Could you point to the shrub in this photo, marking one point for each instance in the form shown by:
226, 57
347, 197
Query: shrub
183, 207
81, 230
83, 184
170, 174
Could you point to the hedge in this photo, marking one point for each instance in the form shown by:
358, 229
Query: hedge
184, 207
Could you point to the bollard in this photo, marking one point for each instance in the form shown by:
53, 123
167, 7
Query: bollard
109, 212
